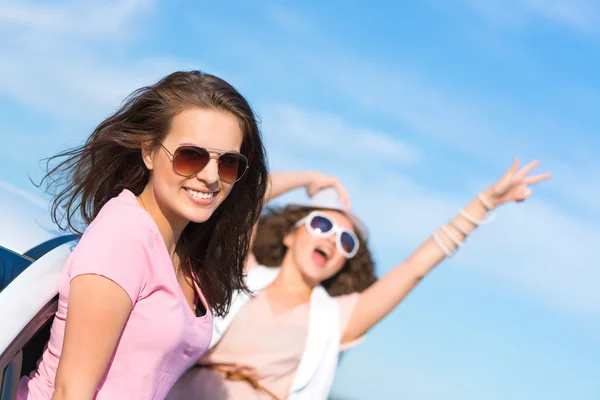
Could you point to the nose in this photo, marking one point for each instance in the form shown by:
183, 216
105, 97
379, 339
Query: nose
332, 239
210, 174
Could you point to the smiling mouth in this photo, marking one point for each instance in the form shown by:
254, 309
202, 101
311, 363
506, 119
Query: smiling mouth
321, 252
324, 252
201, 195
320, 257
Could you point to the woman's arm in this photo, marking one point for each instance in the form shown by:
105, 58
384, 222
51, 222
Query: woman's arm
97, 311
385, 294
283, 182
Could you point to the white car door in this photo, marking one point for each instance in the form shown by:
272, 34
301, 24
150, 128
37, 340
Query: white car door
32, 255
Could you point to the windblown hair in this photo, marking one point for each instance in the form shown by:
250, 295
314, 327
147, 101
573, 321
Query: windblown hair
85, 178
357, 274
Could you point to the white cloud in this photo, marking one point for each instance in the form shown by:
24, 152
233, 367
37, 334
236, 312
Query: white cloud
73, 85
578, 15
19, 193
67, 61
455, 116
582, 15
489, 130
291, 129
488, 127
288, 20
92, 18
52, 62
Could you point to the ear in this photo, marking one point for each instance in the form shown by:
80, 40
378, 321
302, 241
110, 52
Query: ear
148, 155
290, 238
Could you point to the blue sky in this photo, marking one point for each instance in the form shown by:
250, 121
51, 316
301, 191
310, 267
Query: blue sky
416, 106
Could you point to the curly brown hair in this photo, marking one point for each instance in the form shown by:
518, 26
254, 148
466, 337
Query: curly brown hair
87, 177
357, 274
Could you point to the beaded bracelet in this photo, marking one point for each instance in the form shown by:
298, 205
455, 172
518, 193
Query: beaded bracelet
441, 245
486, 203
477, 222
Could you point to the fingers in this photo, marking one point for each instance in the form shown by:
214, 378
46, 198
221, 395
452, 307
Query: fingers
323, 182
312, 190
512, 170
246, 368
523, 194
527, 169
532, 180
343, 194
515, 166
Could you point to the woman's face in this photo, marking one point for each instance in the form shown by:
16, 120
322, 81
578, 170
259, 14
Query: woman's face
317, 258
195, 198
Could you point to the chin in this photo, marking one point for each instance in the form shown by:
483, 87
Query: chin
314, 274
201, 216
195, 214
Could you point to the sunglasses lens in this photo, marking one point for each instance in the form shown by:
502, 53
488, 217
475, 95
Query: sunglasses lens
190, 160
348, 242
232, 166
321, 224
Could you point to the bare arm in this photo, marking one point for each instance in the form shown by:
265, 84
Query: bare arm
384, 295
283, 182
97, 311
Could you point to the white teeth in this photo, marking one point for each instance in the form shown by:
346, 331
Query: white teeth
325, 250
200, 195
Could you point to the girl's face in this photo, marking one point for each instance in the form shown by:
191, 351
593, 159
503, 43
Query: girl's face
184, 199
317, 258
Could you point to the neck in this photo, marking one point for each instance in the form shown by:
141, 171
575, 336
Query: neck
291, 280
169, 226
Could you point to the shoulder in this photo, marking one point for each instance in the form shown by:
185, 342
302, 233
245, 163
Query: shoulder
259, 277
118, 245
122, 228
347, 304
122, 218
347, 300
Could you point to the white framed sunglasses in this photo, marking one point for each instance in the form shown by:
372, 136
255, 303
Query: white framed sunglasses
320, 225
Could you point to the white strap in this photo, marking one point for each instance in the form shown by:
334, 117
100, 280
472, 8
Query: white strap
322, 342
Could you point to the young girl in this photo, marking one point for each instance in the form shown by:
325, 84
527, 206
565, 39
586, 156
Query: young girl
170, 187
318, 295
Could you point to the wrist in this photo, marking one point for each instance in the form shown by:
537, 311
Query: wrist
308, 177
488, 199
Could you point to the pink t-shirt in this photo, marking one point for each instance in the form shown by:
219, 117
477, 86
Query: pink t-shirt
162, 337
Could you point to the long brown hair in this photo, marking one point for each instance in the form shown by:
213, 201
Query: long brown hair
88, 176
357, 274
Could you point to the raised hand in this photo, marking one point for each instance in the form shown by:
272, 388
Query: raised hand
320, 181
515, 184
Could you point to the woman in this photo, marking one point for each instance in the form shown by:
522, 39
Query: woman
170, 187
322, 296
